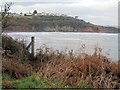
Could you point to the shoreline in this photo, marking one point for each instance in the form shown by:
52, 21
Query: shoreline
56, 32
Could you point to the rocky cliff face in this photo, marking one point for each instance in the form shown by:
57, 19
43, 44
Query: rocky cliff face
56, 24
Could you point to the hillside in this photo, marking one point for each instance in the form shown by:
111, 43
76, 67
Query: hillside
55, 24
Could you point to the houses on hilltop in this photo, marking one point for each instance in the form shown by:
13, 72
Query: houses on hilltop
38, 14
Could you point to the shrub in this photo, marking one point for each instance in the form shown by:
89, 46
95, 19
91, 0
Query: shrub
16, 69
15, 48
69, 69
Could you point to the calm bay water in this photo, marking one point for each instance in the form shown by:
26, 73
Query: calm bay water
70, 40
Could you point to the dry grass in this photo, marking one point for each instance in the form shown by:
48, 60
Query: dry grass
16, 69
65, 67
14, 53
96, 69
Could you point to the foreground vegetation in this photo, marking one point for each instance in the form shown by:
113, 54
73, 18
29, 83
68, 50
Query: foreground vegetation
56, 69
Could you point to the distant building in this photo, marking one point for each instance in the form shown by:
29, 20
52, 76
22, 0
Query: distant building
38, 14
76, 17
14, 14
52, 14
63, 15
43, 13
28, 14
58, 14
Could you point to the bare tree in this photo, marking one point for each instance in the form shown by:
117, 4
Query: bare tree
5, 14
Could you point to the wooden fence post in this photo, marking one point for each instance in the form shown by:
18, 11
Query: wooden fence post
32, 48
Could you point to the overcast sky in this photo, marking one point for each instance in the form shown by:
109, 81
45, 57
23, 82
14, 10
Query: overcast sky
100, 12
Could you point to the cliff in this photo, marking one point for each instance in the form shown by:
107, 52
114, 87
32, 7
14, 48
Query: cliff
55, 24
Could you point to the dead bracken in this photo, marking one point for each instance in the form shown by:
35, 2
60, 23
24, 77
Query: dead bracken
80, 71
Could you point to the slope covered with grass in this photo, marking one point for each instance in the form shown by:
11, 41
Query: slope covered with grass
49, 23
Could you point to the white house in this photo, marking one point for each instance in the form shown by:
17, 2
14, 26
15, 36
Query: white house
38, 14
14, 14
28, 14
